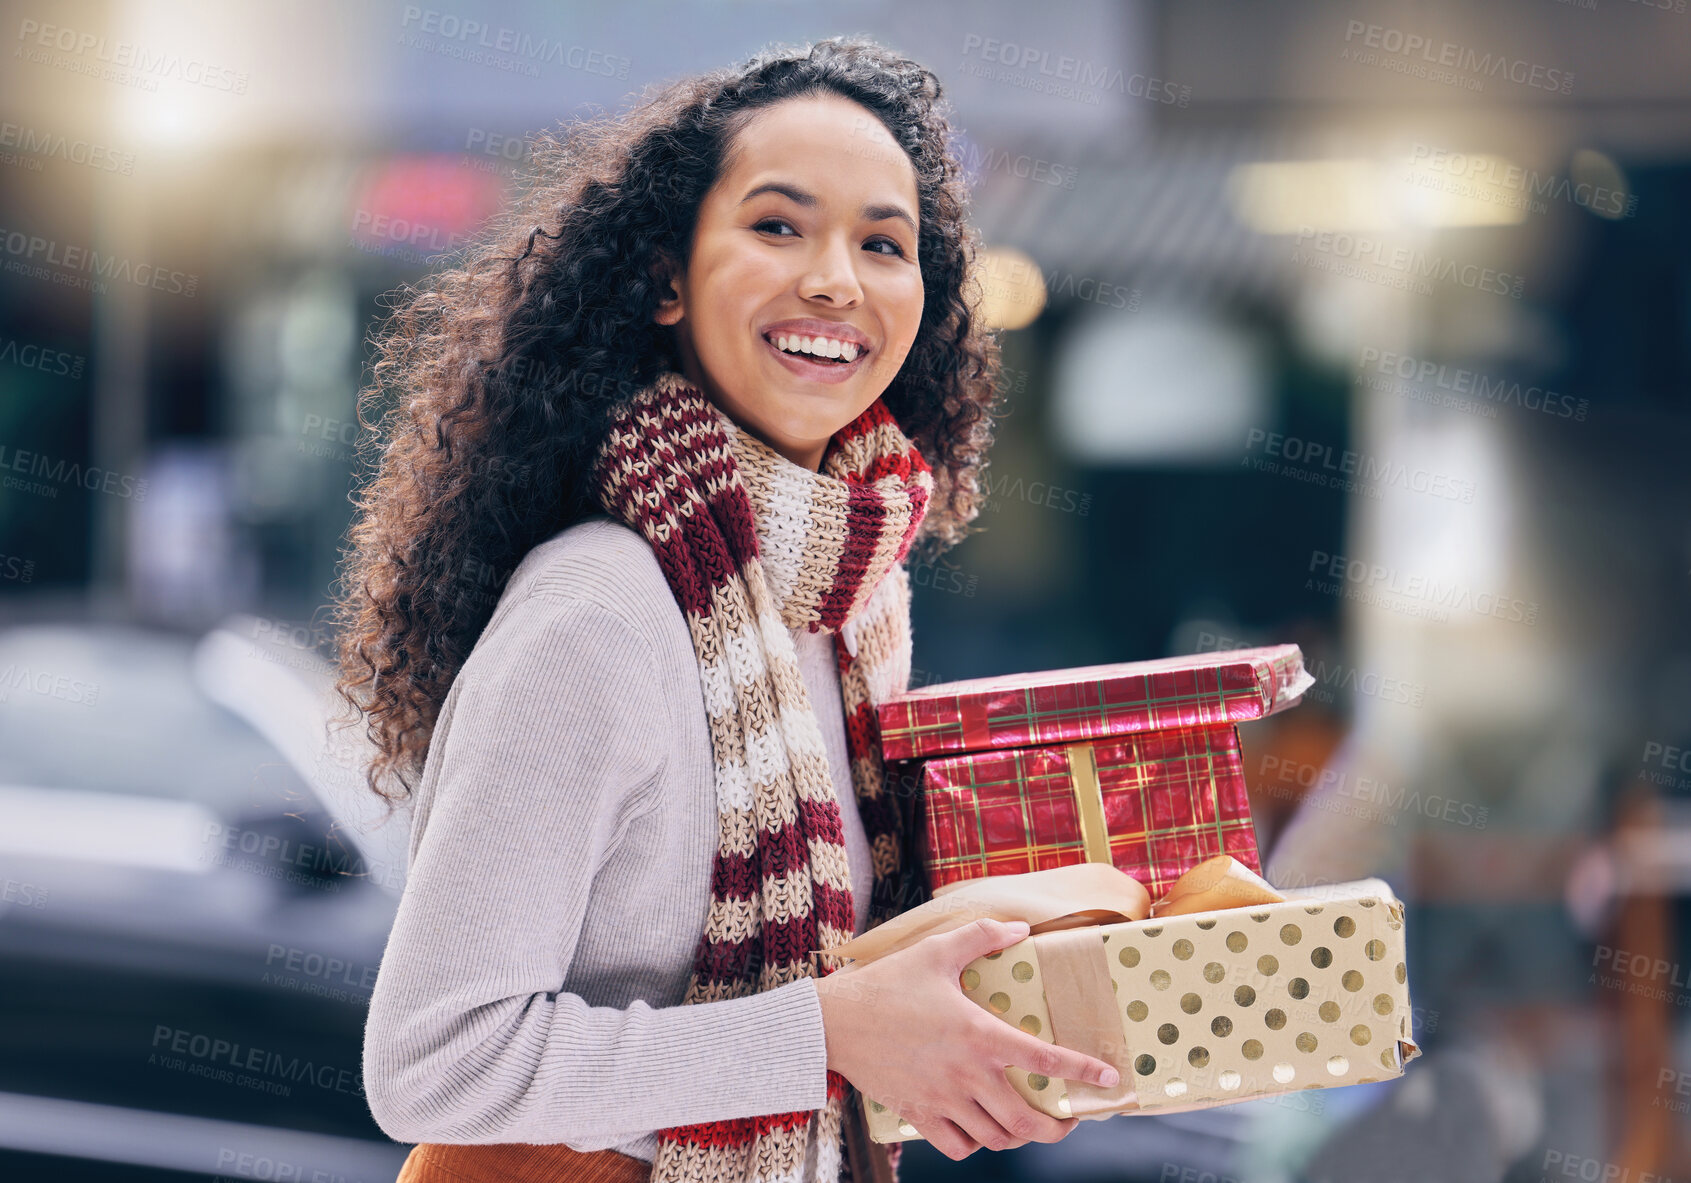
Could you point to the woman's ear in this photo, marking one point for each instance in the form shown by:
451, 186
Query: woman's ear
667, 276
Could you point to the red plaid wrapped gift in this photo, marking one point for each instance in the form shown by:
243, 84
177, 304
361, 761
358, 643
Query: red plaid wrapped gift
1135, 764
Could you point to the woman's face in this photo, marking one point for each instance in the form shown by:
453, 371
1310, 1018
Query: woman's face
809, 233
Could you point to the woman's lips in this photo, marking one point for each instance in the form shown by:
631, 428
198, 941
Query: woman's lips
817, 371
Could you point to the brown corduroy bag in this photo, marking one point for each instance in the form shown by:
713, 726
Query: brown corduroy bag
520, 1162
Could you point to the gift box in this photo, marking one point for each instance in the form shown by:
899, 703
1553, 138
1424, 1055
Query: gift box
1136, 764
1207, 1007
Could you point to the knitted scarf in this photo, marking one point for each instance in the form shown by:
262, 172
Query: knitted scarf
754, 544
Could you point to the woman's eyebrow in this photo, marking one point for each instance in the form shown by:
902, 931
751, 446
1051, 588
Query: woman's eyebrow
872, 212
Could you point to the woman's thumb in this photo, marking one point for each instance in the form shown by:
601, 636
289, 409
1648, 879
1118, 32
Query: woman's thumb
983, 936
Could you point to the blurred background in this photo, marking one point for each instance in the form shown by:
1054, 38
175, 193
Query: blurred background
1364, 326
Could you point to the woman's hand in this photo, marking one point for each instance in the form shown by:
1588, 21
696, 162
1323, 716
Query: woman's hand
902, 1031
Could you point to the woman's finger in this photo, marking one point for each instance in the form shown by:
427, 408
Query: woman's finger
1032, 1054
945, 1136
985, 1129
963, 944
1012, 1112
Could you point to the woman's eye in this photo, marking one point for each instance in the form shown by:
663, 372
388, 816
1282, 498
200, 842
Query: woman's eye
776, 225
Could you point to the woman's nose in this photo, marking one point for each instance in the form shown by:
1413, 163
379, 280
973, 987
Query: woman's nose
832, 275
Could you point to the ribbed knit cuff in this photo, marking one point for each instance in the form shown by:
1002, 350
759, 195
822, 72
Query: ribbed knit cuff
789, 1070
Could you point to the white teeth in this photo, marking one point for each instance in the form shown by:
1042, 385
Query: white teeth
817, 346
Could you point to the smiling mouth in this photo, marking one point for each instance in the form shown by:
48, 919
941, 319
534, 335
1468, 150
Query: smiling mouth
821, 359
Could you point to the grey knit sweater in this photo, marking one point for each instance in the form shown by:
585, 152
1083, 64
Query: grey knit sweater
562, 840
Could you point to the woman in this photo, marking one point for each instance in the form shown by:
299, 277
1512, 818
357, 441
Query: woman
626, 590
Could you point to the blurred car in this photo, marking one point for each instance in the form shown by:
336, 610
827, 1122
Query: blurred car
188, 937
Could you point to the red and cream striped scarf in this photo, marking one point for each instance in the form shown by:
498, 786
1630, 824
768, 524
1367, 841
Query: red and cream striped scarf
754, 544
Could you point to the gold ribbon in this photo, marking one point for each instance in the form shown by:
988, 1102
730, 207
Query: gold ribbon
1213, 885
1081, 895
1089, 802
1080, 1003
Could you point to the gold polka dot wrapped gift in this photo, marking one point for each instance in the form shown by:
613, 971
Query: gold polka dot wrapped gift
1225, 990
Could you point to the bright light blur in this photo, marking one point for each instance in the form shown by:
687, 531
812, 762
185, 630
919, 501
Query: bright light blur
1284, 197
1010, 288
104, 828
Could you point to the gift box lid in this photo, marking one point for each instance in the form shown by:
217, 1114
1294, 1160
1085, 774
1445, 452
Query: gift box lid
1091, 702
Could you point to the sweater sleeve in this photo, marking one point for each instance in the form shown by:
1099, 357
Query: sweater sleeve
559, 736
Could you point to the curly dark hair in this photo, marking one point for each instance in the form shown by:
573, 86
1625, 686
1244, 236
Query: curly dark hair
498, 375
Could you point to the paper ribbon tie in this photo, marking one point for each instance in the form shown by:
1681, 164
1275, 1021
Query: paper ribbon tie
1081, 895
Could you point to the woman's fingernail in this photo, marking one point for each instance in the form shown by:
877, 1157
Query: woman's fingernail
1109, 1078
